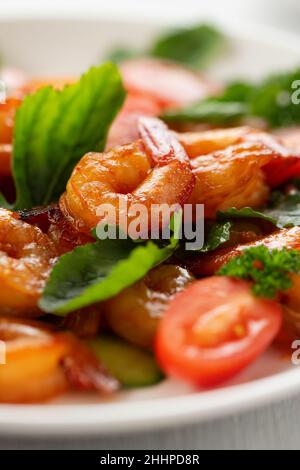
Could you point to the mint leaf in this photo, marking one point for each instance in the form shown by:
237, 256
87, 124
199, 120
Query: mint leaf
270, 100
246, 213
285, 209
218, 234
98, 271
3, 202
54, 129
209, 110
119, 54
191, 46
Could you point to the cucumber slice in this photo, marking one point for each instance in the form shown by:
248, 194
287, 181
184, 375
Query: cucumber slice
132, 366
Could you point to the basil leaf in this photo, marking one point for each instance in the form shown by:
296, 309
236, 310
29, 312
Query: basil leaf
219, 233
3, 202
54, 129
192, 46
245, 213
98, 271
285, 210
119, 54
210, 110
270, 100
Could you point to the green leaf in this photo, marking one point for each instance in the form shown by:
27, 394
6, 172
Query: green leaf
268, 270
270, 100
119, 54
210, 110
193, 46
3, 202
285, 209
245, 213
54, 129
219, 233
98, 271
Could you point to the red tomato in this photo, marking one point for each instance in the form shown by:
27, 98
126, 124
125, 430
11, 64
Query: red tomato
124, 129
213, 329
170, 84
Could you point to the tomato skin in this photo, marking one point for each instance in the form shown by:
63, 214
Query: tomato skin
180, 354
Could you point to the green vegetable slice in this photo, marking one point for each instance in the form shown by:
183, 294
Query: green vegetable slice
132, 366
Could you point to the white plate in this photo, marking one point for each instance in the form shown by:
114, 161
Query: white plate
48, 47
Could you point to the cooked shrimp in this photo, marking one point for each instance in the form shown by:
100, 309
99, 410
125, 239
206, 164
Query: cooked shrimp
154, 171
210, 263
135, 312
59, 230
32, 371
204, 142
26, 257
40, 364
231, 178
124, 129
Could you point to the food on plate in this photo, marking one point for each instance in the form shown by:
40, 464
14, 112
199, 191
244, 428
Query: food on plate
149, 223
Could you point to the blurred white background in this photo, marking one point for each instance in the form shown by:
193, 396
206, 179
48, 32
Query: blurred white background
281, 13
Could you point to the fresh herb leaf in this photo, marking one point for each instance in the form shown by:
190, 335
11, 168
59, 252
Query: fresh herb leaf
246, 213
268, 270
192, 46
218, 234
100, 270
119, 54
270, 100
209, 110
54, 129
285, 209
3, 202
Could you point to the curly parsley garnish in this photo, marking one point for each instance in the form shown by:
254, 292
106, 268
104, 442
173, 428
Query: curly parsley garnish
268, 270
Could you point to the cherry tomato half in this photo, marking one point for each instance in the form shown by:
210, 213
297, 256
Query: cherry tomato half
213, 329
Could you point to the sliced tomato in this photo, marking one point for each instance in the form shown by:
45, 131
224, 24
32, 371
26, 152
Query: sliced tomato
125, 127
170, 84
214, 329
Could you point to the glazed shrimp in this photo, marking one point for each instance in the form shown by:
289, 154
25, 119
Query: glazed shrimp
231, 178
155, 170
283, 165
135, 312
41, 364
26, 258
